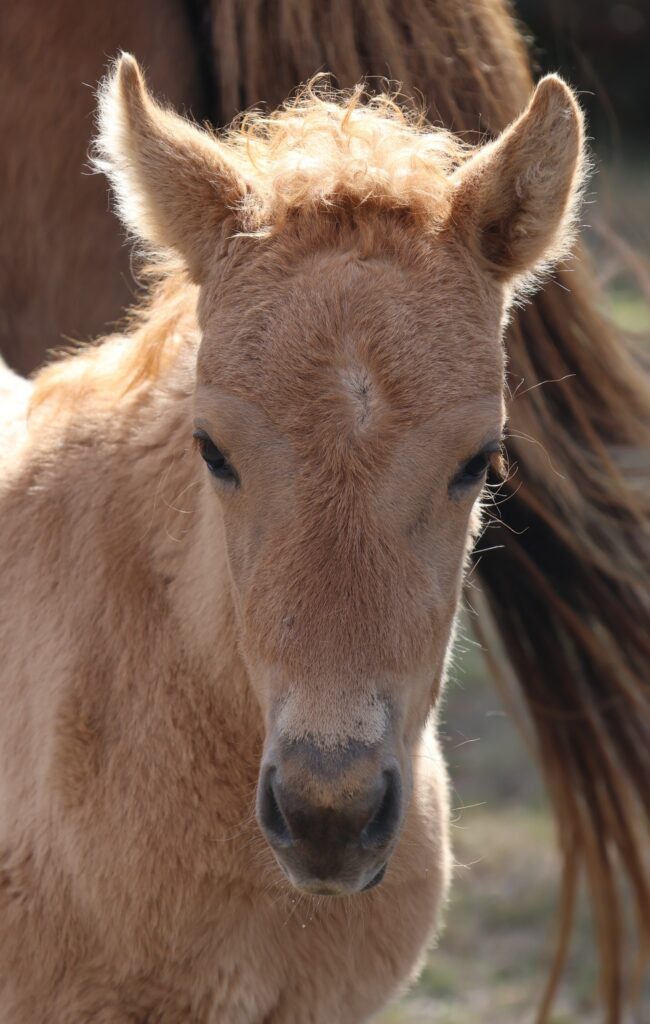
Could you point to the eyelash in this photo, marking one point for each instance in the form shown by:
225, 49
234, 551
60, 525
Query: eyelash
475, 469
214, 459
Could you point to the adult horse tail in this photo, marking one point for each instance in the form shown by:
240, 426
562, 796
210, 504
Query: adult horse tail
568, 589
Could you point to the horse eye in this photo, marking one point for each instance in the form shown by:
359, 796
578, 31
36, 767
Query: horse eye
476, 467
215, 460
474, 470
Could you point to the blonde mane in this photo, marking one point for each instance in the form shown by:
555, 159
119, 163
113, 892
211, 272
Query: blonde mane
323, 149
156, 331
329, 148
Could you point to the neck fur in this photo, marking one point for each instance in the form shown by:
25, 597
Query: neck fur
149, 534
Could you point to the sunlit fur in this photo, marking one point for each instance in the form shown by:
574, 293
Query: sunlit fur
158, 629
327, 151
563, 571
318, 147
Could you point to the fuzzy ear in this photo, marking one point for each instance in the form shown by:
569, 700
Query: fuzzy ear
175, 184
517, 198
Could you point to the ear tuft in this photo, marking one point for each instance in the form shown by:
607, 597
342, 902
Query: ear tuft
517, 198
175, 185
552, 93
127, 75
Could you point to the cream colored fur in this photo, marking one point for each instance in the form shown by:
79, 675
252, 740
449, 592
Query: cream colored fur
145, 636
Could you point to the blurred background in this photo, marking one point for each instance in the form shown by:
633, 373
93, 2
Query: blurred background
496, 948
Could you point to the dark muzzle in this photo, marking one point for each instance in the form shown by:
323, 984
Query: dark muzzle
332, 816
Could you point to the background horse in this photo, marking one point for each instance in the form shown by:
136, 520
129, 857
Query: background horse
566, 587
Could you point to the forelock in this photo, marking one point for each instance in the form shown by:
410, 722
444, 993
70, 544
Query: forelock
325, 149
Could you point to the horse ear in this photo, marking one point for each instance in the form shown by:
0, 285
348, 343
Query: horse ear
174, 183
517, 198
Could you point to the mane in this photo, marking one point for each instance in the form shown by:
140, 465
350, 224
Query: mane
323, 149
329, 148
156, 332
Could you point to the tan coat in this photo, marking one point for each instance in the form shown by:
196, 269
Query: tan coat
148, 659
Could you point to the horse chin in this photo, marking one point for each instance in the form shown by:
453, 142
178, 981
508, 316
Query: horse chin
335, 886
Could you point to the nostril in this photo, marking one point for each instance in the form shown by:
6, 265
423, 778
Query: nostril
270, 814
383, 824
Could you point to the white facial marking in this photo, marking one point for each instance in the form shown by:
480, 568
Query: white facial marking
331, 719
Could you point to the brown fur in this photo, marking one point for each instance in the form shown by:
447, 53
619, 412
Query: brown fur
55, 223
156, 625
568, 578
566, 585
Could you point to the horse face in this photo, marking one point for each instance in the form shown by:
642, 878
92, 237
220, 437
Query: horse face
351, 412
348, 403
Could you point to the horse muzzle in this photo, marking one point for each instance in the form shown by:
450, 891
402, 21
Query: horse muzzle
332, 817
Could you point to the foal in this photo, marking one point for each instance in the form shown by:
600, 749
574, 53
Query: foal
222, 657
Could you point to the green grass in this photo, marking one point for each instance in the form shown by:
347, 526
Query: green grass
631, 311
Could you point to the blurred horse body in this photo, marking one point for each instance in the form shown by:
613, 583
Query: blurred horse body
567, 588
64, 269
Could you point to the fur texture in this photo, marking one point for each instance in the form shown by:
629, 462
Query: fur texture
175, 623
565, 575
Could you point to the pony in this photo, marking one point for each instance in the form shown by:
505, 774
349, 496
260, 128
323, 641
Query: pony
222, 659
563, 588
